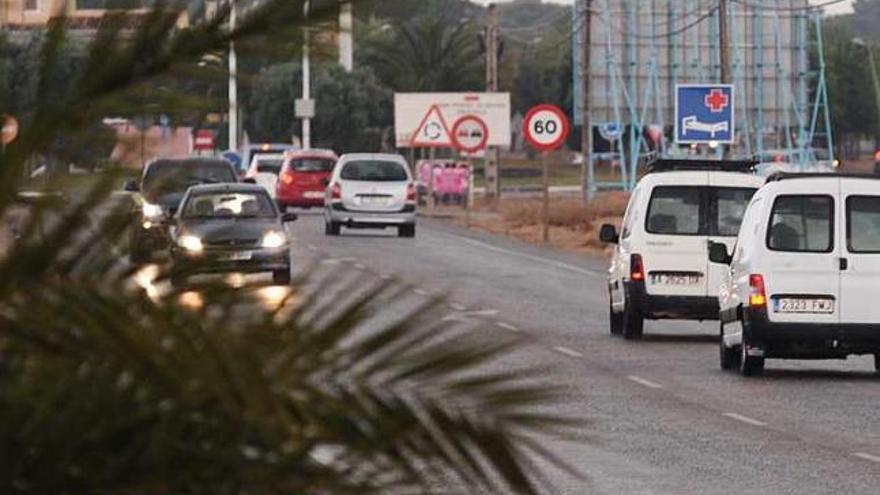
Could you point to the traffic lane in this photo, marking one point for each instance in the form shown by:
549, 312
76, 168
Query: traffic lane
560, 299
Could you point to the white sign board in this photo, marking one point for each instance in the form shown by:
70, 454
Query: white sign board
415, 116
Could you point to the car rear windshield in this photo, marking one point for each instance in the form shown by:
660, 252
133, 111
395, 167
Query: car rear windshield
375, 171
312, 164
268, 164
863, 224
210, 205
697, 210
802, 224
176, 176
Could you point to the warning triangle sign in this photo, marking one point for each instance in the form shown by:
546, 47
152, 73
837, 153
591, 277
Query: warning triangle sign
433, 131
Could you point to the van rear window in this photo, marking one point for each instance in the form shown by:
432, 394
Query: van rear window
697, 210
802, 224
863, 224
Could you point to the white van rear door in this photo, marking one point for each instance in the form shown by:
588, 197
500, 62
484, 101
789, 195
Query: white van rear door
802, 248
860, 268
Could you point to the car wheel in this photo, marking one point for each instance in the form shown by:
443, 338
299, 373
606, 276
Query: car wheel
615, 319
331, 228
408, 230
633, 323
281, 277
877, 363
281, 207
749, 365
728, 354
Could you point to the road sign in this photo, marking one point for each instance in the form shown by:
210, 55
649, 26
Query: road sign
10, 129
470, 134
546, 127
493, 109
432, 132
204, 140
304, 109
704, 113
610, 131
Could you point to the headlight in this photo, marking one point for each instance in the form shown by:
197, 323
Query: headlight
190, 243
274, 240
152, 211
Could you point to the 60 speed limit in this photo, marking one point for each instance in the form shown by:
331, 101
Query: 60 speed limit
546, 127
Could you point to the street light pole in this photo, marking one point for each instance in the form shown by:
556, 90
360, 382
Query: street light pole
233, 82
306, 82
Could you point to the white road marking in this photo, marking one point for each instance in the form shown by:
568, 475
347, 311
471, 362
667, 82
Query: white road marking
642, 381
312, 247
420, 292
358, 266
386, 276
457, 307
330, 261
867, 457
745, 419
507, 326
557, 264
348, 260
568, 352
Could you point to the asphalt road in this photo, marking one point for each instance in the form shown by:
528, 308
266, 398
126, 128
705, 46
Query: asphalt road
664, 418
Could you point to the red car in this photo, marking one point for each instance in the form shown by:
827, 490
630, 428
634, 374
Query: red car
304, 177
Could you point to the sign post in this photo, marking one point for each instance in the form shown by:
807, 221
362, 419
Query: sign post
546, 128
470, 134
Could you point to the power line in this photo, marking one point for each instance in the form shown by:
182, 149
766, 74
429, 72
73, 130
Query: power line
668, 34
788, 9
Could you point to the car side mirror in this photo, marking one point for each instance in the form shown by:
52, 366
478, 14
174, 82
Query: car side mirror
718, 253
172, 211
608, 233
289, 217
131, 185
249, 180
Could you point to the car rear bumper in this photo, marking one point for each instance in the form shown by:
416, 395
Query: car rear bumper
213, 261
810, 340
300, 197
338, 213
669, 307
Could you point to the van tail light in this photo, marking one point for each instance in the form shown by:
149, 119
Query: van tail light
287, 178
411, 193
636, 268
335, 191
758, 294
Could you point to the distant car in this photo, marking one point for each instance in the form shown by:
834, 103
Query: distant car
304, 178
248, 152
229, 228
800, 281
159, 191
264, 170
371, 191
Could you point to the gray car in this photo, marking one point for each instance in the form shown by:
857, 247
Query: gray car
371, 191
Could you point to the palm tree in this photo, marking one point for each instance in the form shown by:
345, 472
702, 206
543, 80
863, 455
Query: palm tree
112, 383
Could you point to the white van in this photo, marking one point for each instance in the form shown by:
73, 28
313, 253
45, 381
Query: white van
659, 269
801, 281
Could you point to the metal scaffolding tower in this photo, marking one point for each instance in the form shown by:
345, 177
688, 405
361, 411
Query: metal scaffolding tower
641, 49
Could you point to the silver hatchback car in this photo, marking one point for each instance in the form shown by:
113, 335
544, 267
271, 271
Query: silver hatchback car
371, 191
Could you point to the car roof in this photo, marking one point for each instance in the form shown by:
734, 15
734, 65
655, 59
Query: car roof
236, 187
189, 161
701, 178
389, 157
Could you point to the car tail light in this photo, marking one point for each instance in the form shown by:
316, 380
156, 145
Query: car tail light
636, 268
758, 295
411, 192
287, 178
336, 191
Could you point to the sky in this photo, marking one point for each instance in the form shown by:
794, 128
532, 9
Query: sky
841, 8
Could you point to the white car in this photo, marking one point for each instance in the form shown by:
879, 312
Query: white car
371, 191
659, 269
264, 170
802, 280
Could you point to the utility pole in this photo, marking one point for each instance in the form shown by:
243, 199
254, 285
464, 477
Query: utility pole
306, 82
233, 82
586, 124
724, 42
493, 186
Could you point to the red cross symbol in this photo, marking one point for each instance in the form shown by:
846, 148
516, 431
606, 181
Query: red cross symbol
716, 101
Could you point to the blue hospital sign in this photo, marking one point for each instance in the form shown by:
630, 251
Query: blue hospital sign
704, 113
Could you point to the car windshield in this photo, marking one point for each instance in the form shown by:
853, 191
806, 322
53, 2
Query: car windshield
697, 210
168, 177
312, 164
374, 171
209, 205
268, 164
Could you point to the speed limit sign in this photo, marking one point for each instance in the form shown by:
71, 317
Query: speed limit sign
546, 127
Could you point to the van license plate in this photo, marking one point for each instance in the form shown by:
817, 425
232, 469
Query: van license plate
675, 279
803, 305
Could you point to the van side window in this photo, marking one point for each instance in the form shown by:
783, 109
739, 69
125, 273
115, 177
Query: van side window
802, 223
863, 224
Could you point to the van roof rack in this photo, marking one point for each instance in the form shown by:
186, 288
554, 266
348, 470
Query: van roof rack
780, 176
672, 165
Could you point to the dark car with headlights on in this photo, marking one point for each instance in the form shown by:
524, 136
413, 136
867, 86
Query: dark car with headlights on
229, 228
158, 195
